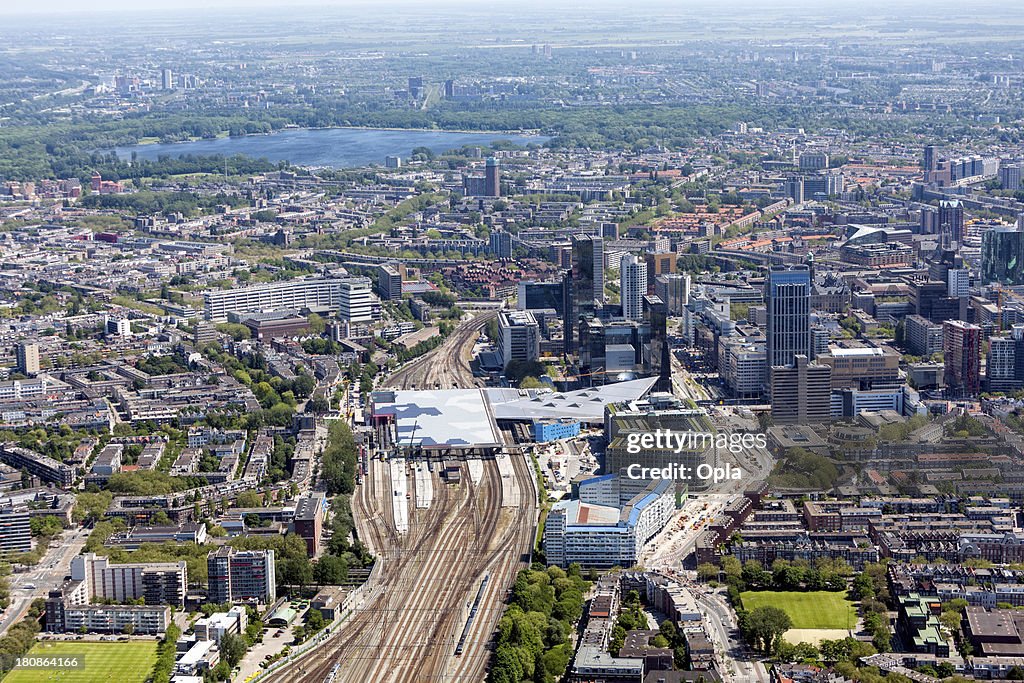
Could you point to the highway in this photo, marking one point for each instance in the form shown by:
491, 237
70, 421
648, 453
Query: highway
414, 608
447, 366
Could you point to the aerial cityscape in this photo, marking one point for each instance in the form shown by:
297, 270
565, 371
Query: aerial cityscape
452, 342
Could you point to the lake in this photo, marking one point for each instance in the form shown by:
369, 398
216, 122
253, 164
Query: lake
332, 147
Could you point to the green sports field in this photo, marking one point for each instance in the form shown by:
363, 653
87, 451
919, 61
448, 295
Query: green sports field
817, 609
123, 662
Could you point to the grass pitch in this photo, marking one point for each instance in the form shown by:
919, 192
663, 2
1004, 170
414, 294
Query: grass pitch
123, 662
813, 610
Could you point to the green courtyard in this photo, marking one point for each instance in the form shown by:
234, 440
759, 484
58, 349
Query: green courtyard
123, 662
811, 610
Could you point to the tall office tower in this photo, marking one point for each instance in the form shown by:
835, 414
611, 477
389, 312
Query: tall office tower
27, 355
632, 286
587, 279
241, 576
167, 79
449, 89
795, 189
962, 349
788, 315
1002, 255
415, 86
492, 178
801, 393
951, 220
658, 359
931, 159
356, 300
501, 244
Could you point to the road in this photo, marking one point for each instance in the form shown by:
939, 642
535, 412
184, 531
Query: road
447, 366
414, 608
46, 576
741, 665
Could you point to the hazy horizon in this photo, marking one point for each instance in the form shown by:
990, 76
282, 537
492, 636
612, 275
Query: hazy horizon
72, 7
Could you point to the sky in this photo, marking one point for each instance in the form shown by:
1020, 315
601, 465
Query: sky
77, 7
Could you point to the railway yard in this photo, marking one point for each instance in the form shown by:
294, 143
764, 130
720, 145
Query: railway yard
448, 365
415, 609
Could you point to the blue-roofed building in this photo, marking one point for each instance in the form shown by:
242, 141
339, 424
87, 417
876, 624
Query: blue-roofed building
553, 430
606, 535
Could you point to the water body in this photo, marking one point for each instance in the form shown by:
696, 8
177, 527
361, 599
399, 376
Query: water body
331, 147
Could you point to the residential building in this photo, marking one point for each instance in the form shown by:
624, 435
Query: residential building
492, 178
159, 583
309, 521
241, 576
604, 536
27, 358
15, 530
962, 350
632, 286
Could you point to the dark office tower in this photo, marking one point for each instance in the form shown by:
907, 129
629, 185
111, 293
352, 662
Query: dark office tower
931, 158
492, 178
962, 351
587, 279
795, 189
787, 299
415, 86
951, 220
657, 359
567, 309
1002, 255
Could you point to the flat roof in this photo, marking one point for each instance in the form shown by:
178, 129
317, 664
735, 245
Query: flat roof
455, 417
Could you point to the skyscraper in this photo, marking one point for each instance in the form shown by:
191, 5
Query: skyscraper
658, 359
788, 299
962, 350
1002, 255
587, 280
492, 178
931, 159
951, 220
167, 79
632, 286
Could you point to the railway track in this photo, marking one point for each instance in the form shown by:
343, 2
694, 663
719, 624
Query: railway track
412, 616
446, 366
